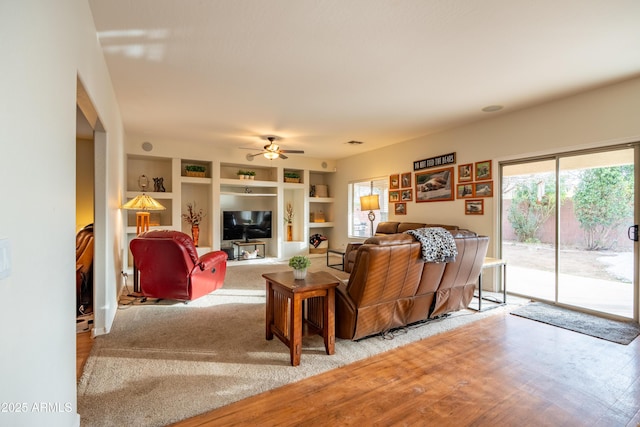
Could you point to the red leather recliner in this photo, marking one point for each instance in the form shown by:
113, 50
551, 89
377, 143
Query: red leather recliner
170, 268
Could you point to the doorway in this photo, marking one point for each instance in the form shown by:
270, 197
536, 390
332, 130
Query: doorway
564, 229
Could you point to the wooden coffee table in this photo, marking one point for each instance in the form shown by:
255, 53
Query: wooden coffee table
286, 317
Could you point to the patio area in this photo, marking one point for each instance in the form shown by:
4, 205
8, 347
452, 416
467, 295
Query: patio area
595, 280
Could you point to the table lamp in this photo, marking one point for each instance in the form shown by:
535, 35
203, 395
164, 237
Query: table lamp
142, 204
370, 203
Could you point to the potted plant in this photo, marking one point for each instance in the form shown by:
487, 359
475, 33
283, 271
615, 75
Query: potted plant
242, 174
251, 174
291, 176
195, 170
299, 263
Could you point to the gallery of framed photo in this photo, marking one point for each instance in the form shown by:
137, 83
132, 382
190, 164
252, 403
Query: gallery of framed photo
483, 189
483, 170
435, 185
405, 180
394, 196
464, 191
474, 207
406, 195
400, 208
465, 172
394, 181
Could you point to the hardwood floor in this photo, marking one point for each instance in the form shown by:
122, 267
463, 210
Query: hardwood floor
504, 370
84, 342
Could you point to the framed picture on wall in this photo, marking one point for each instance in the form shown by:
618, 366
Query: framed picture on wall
400, 208
394, 181
465, 172
465, 191
483, 170
394, 196
405, 180
435, 185
483, 189
406, 195
474, 207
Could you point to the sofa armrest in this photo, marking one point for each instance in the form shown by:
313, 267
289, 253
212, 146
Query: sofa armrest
350, 255
210, 260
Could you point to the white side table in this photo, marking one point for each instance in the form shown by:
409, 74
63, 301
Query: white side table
492, 263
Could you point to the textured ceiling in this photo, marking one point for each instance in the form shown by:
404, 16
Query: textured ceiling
320, 73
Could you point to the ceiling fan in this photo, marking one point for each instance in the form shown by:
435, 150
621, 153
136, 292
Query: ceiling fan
272, 150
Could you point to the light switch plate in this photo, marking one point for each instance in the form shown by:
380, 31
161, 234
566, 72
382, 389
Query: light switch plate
5, 259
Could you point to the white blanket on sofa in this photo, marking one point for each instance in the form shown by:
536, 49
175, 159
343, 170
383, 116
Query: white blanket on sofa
438, 245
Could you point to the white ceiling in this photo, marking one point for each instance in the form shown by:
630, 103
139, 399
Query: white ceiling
320, 73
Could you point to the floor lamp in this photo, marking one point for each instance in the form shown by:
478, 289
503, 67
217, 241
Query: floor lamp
142, 204
370, 203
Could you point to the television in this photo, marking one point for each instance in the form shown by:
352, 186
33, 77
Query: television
246, 225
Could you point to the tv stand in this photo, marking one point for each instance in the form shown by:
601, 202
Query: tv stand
255, 243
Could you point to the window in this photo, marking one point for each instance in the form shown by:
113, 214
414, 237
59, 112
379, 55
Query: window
359, 224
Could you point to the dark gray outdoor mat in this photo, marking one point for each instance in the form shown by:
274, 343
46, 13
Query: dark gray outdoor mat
606, 329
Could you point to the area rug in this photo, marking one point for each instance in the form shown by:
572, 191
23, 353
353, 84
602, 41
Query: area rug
164, 361
606, 329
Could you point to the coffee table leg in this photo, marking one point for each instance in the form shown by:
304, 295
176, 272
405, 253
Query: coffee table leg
269, 312
295, 340
328, 323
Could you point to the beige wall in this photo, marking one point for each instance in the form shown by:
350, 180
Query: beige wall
605, 116
84, 183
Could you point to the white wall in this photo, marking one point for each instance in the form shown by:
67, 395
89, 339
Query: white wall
604, 116
45, 46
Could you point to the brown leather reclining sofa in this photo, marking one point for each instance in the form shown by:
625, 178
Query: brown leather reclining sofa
390, 286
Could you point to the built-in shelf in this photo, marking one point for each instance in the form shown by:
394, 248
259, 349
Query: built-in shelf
163, 195
321, 199
195, 180
321, 224
239, 194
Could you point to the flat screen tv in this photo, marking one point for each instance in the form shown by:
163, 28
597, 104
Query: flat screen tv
246, 225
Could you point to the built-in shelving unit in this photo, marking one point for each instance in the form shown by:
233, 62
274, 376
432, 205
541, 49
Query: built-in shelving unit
180, 189
321, 211
220, 188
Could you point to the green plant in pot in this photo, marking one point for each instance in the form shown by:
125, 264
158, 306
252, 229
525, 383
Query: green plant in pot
291, 176
299, 263
195, 170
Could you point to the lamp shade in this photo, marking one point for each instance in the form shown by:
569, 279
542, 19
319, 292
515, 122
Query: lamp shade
271, 155
143, 202
369, 203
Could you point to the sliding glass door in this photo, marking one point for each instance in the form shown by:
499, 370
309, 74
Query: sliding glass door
565, 225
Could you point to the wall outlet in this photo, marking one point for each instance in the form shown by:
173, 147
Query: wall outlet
5, 259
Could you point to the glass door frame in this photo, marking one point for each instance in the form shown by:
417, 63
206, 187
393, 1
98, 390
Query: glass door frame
636, 217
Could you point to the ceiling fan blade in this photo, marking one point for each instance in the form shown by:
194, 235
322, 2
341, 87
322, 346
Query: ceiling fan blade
292, 151
283, 157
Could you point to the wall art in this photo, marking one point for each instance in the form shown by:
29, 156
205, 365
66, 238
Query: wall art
400, 208
483, 170
465, 172
434, 186
474, 207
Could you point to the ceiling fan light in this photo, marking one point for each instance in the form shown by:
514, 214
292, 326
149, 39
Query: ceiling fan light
271, 155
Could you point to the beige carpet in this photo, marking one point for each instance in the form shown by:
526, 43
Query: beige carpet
169, 361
